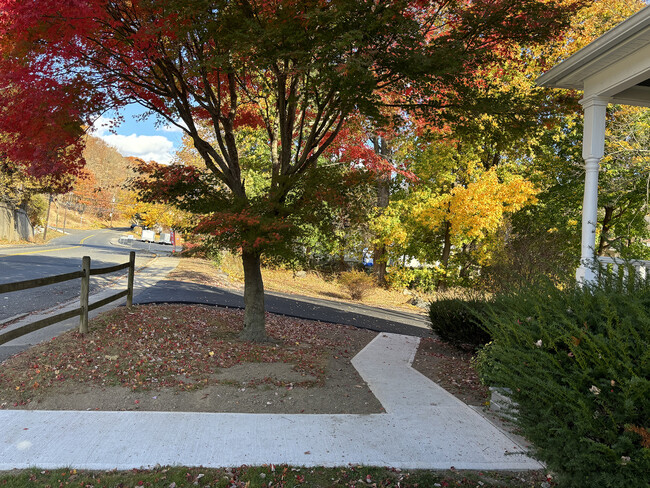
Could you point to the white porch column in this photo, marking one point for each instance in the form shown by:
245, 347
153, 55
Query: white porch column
593, 148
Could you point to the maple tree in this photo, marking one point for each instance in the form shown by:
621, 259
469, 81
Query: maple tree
295, 69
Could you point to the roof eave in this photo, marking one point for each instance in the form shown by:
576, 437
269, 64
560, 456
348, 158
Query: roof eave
557, 76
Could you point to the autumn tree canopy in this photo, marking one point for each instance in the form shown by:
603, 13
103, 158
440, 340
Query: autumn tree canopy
297, 69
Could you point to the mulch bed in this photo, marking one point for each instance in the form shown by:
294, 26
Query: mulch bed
452, 369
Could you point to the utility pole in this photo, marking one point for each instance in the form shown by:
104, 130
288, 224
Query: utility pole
47, 218
112, 210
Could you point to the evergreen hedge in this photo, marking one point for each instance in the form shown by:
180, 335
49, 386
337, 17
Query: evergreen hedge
577, 362
458, 321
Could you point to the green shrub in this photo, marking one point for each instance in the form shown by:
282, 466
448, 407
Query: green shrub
37, 209
578, 364
357, 283
215, 255
457, 320
421, 279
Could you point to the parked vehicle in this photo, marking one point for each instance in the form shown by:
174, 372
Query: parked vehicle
148, 235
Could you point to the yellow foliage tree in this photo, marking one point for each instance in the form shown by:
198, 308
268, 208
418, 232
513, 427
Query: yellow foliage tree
153, 214
469, 213
479, 208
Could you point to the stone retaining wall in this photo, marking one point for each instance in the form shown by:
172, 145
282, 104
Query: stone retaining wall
15, 224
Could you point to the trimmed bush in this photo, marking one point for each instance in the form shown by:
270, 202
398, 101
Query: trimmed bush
357, 283
577, 362
457, 321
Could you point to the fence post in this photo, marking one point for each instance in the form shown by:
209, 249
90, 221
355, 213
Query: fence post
129, 296
85, 288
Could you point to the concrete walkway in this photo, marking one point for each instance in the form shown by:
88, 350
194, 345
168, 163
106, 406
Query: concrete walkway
423, 427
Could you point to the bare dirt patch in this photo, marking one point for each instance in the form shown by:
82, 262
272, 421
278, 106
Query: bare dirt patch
452, 369
188, 358
343, 391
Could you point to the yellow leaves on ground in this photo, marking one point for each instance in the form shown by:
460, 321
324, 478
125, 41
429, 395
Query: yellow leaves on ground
478, 209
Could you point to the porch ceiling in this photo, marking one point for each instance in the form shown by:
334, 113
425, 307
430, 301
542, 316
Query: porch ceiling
616, 66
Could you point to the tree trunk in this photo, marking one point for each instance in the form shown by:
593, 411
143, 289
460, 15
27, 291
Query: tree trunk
47, 218
379, 255
254, 326
607, 220
466, 251
444, 260
383, 199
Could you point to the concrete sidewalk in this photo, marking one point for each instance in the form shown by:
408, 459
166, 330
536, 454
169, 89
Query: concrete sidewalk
423, 427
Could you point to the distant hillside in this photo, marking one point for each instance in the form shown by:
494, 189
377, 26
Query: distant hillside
110, 168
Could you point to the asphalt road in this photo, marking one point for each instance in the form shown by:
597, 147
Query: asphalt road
64, 255
358, 315
59, 256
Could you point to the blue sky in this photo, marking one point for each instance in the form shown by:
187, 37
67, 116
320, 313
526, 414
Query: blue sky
140, 138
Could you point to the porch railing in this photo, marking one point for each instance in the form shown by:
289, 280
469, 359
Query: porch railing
623, 267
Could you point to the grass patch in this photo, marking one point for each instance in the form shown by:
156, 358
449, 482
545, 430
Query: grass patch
272, 476
38, 239
314, 284
165, 346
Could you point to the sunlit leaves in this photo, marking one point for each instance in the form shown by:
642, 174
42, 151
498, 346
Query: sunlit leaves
474, 211
479, 208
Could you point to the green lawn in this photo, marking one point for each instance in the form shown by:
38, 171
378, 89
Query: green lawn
271, 476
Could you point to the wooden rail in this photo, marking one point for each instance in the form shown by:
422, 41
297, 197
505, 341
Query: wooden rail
85, 307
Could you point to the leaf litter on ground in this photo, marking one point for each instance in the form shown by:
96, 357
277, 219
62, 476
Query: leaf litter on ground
168, 346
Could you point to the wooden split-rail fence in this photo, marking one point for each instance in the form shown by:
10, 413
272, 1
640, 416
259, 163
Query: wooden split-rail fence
85, 307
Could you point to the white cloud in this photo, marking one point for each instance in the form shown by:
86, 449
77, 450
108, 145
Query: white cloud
101, 126
149, 148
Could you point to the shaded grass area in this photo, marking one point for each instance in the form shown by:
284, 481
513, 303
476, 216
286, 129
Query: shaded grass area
166, 346
314, 283
272, 476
